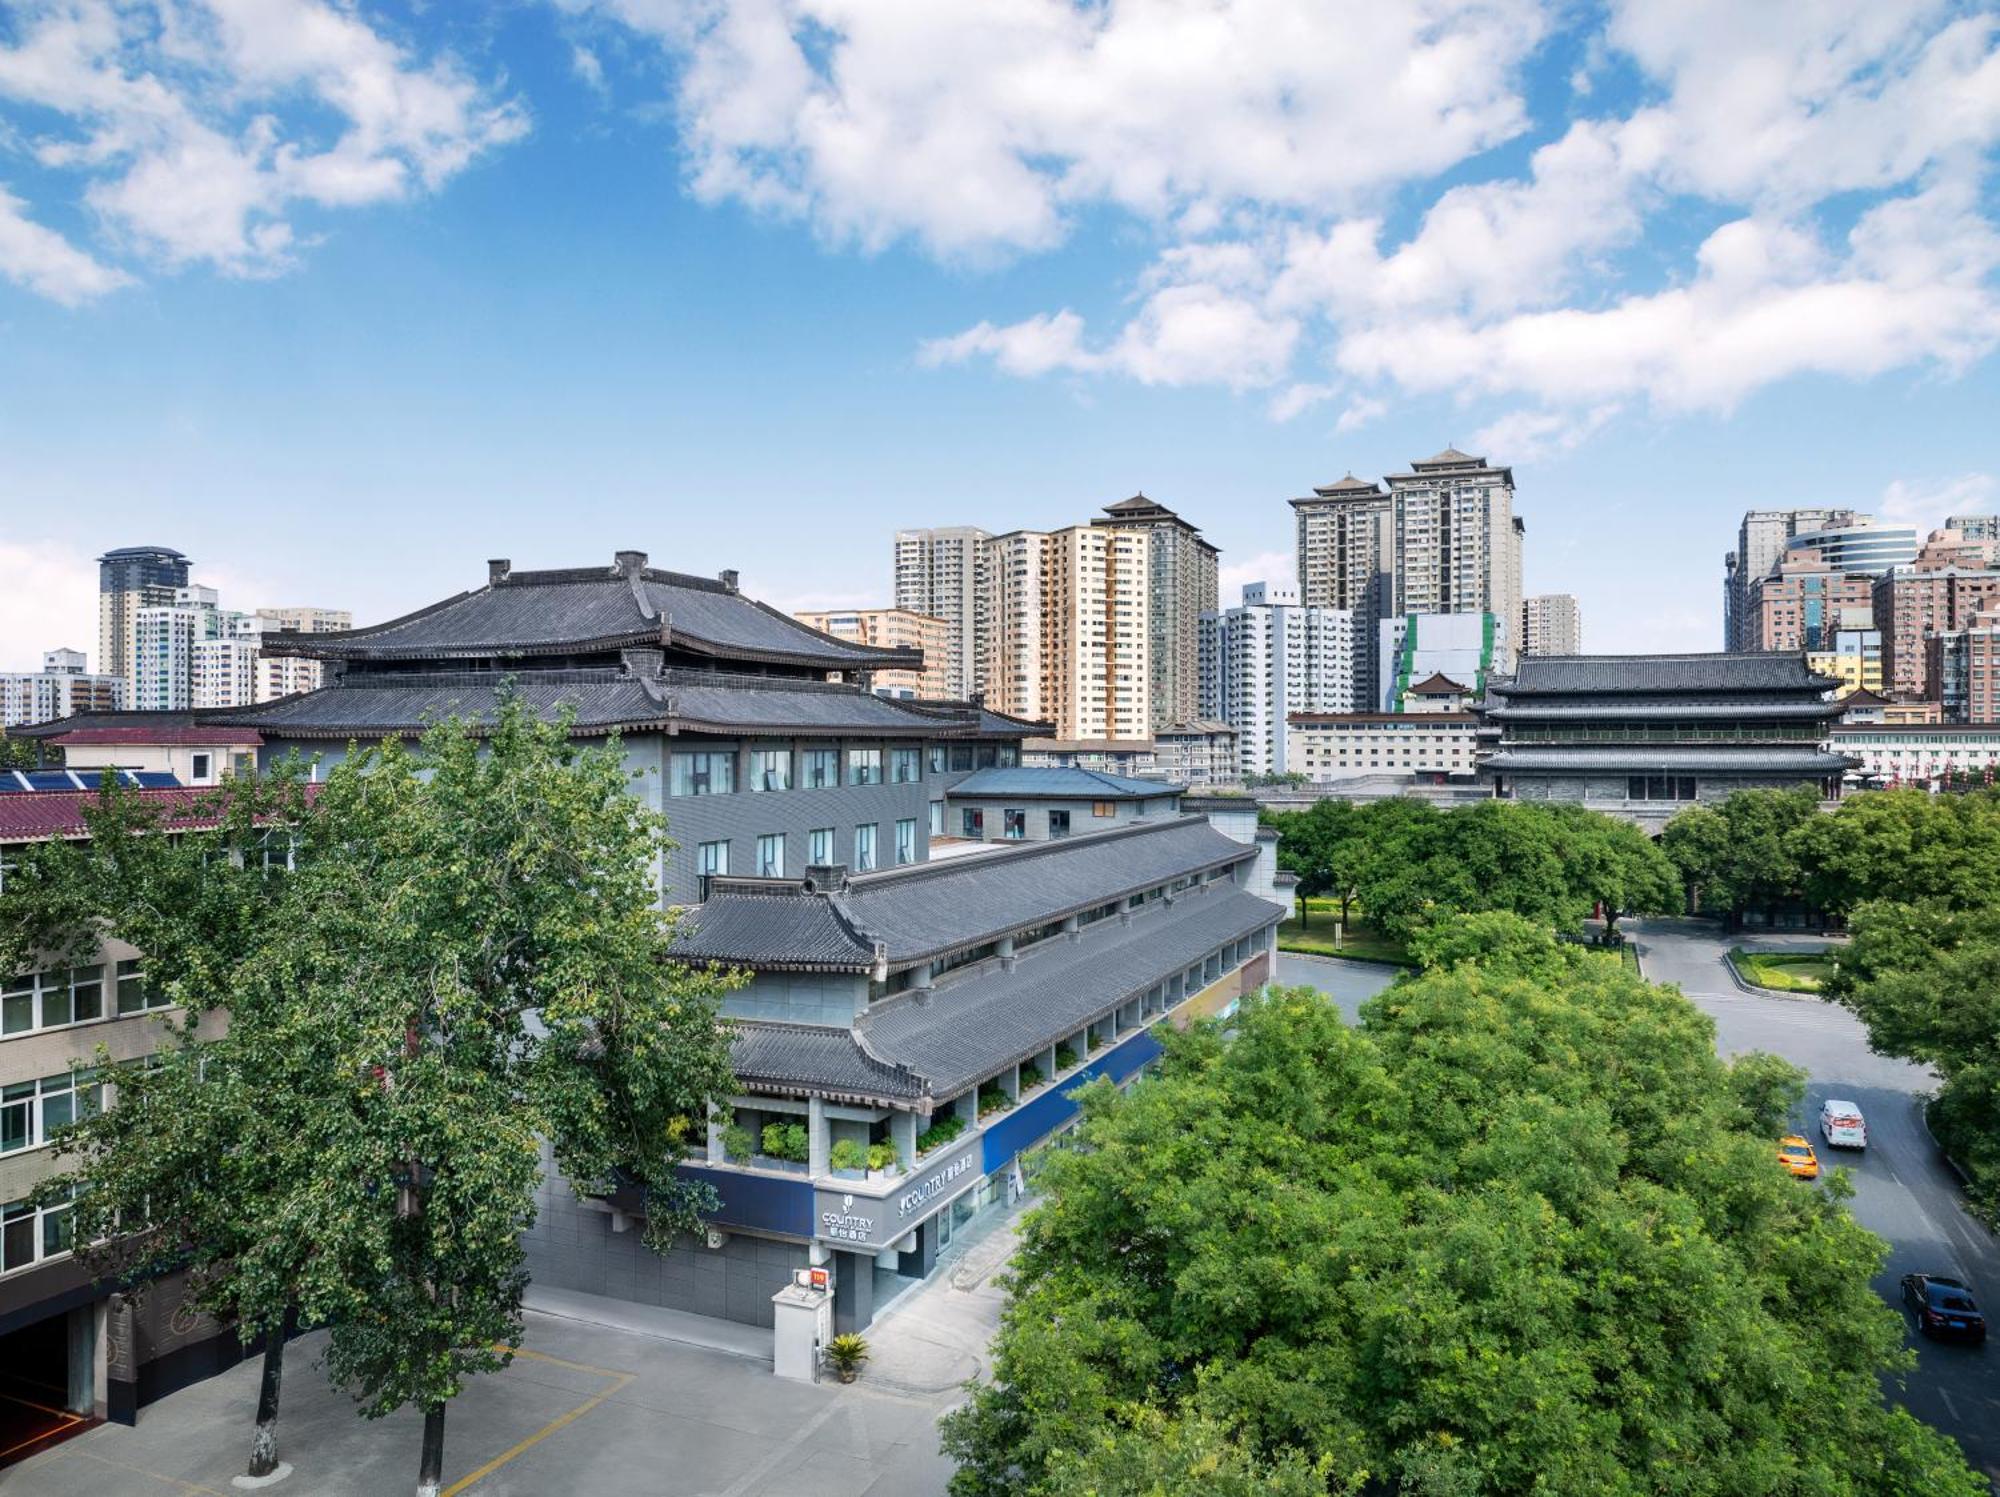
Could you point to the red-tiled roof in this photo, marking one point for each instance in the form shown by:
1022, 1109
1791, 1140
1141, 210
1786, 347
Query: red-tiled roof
163, 736
37, 816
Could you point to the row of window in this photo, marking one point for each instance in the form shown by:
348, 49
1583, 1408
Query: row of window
73, 995
31, 1111
1014, 821
713, 771
712, 858
28, 1236
1660, 787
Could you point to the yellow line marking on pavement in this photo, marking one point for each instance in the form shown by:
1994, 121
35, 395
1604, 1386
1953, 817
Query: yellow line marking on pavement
70, 1421
619, 1382
172, 1481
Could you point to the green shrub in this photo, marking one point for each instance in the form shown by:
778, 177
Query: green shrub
883, 1157
1065, 1057
786, 1141
1096, 1039
845, 1353
1031, 1075
993, 1099
943, 1131
736, 1142
849, 1155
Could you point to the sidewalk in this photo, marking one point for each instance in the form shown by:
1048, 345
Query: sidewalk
662, 1324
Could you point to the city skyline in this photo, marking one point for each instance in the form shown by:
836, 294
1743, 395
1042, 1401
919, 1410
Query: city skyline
525, 272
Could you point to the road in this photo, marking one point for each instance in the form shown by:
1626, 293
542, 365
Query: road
1902, 1190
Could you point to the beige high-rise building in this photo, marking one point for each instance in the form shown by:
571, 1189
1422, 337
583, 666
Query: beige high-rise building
893, 628
942, 574
307, 620
1181, 588
1551, 624
1346, 553
287, 675
1458, 543
1070, 629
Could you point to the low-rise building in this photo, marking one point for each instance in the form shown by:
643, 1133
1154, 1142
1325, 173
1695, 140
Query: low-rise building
63, 687
1042, 805
1920, 753
1340, 745
195, 751
1642, 735
1196, 754
1119, 756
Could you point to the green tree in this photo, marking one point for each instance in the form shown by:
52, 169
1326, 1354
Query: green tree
1925, 979
481, 949
1324, 846
1615, 864
1743, 853
1513, 1234
1767, 1087
178, 1172
1902, 844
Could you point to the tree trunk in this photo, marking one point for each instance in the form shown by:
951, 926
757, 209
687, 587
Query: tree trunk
264, 1443
1305, 911
430, 1473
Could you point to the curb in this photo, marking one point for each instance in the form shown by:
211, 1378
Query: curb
1332, 956
1758, 990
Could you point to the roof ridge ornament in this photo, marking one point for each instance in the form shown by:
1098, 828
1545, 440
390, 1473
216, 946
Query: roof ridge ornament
642, 596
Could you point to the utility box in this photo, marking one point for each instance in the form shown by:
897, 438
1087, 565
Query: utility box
801, 1325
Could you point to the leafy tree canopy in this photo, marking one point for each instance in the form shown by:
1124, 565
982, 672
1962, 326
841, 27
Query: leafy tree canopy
1516, 1233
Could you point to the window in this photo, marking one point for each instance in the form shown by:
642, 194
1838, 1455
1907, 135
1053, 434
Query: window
702, 774
972, 822
864, 848
30, 1111
961, 756
822, 769
1660, 787
28, 1235
906, 841
937, 818
198, 766
1014, 825
771, 855
937, 758
770, 769
1058, 823
1103, 808
712, 858
133, 994
905, 766
819, 845
864, 766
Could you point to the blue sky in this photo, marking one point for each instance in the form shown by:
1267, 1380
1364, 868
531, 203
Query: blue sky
343, 299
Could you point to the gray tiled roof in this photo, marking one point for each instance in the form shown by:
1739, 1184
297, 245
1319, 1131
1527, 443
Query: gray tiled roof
593, 608
1642, 758
1611, 708
1029, 782
936, 908
965, 1031
373, 705
1702, 674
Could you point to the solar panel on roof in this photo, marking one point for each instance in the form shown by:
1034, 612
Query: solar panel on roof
50, 779
153, 779
16, 781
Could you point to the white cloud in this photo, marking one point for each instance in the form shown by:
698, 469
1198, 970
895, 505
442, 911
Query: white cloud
199, 127
1524, 436
1360, 412
1927, 504
48, 600
1264, 144
1279, 568
46, 263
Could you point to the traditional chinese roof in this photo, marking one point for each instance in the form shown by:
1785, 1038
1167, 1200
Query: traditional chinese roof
172, 733
1057, 783
1646, 758
1698, 675
50, 814
904, 916
1349, 487
593, 610
1691, 708
935, 1044
1450, 457
1436, 684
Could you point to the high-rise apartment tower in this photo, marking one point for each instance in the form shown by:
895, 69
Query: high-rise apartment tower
942, 574
129, 579
1346, 553
1551, 624
1181, 588
1458, 543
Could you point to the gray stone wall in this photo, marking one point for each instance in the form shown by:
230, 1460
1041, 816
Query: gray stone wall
572, 1246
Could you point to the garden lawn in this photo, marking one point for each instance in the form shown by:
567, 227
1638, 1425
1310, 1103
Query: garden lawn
1787, 971
1359, 941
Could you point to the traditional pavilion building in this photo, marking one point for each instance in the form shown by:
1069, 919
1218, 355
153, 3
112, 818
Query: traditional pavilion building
1643, 735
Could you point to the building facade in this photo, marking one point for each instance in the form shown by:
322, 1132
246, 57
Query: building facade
1181, 587
1070, 621
1964, 664
1640, 736
1805, 602
129, 579
1198, 754
1465, 647
1761, 537
1458, 543
1916, 603
1551, 624
1920, 754
63, 687
1044, 805
1339, 746
943, 574
1123, 756
1346, 560
898, 629
1268, 658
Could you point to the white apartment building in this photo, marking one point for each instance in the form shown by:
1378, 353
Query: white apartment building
944, 574
63, 687
1551, 624
1338, 746
164, 638
224, 673
1270, 657
1458, 542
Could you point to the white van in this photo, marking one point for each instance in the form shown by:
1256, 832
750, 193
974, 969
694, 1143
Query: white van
1841, 1126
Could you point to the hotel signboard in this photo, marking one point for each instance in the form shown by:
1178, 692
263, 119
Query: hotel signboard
868, 1215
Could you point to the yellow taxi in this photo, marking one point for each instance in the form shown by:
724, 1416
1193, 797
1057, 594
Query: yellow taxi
1796, 1155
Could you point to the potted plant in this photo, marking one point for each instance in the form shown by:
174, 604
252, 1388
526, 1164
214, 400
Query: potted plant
786, 1141
845, 1353
737, 1143
883, 1160
993, 1098
848, 1158
943, 1131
